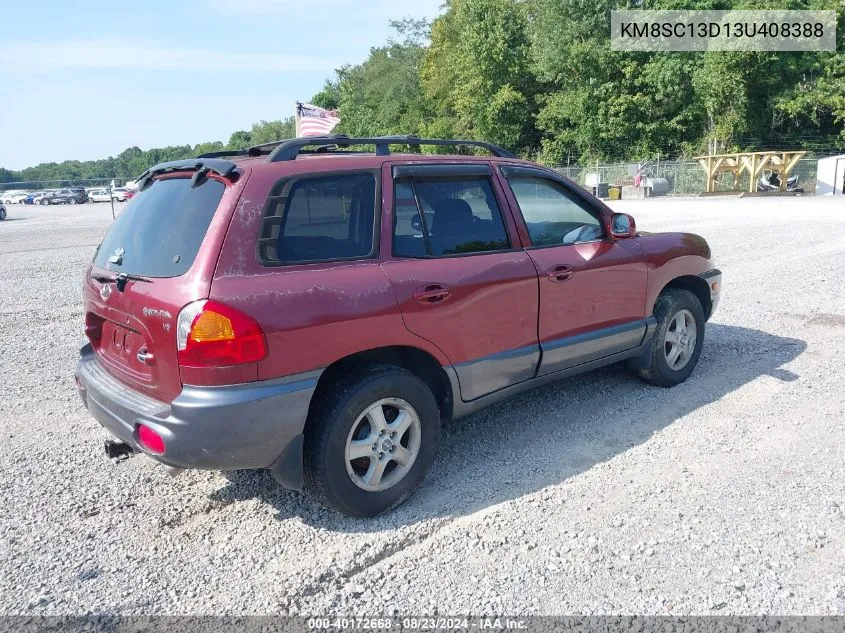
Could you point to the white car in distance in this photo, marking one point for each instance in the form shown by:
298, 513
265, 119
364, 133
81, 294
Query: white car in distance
13, 197
99, 195
121, 194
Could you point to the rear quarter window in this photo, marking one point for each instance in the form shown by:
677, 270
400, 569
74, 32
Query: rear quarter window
159, 232
320, 218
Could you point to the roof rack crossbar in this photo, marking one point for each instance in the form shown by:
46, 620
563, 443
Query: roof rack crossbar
255, 150
289, 149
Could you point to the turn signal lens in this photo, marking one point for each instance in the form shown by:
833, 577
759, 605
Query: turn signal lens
211, 326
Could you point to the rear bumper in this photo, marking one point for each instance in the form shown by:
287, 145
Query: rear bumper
254, 425
714, 282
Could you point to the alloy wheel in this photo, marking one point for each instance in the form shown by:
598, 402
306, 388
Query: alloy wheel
383, 444
680, 339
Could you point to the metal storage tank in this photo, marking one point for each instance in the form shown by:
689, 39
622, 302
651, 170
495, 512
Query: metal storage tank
830, 176
657, 186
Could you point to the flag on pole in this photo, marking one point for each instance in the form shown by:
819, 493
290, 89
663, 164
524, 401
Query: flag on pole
314, 121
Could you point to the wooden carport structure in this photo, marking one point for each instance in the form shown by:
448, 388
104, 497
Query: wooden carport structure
752, 162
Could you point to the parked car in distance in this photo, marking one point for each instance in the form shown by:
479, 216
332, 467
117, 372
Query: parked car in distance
40, 197
99, 195
321, 313
13, 197
66, 196
122, 194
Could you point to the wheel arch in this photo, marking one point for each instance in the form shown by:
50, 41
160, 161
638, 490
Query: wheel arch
697, 286
413, 359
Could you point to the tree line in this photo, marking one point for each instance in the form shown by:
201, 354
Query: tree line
539, 78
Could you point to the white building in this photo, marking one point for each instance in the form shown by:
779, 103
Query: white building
830, 176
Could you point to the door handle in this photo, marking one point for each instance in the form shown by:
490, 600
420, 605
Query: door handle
432, 293
144, 356
560, 273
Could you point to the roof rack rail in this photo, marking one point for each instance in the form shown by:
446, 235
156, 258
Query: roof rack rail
255, 150
223, 153
289, 149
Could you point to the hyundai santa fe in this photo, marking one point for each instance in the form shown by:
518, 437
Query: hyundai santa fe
319, 307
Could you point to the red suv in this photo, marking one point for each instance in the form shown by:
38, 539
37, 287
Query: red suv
319, 311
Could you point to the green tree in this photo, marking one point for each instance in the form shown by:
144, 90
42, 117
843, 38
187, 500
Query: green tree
239, 140
269, 131
329, 96
606, 104
477, 73
382, 95
815, 99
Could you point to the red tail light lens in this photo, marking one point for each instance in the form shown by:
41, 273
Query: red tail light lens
212, 334
150, 440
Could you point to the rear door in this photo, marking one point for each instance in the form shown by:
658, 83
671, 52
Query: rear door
461, 277
168, 236
592, 288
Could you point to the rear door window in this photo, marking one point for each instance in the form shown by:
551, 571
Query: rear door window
437, 217
320, 218
159, 232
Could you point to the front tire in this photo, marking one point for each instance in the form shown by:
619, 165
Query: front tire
370, 441
676, 346
2, 214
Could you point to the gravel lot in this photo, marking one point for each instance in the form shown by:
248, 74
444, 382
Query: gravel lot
595, 495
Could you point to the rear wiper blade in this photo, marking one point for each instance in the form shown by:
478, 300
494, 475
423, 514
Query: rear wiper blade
119, 279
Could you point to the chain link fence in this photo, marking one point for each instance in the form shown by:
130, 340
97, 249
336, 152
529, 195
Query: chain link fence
35, 186
685, 178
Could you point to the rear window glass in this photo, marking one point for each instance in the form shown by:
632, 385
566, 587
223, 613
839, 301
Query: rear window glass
160, 231
320, 218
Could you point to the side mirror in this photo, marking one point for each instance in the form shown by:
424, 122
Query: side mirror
622, 225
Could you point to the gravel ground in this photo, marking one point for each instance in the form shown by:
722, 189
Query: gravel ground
595, 495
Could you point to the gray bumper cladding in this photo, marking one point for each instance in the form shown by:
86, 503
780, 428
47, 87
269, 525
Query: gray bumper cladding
232, 427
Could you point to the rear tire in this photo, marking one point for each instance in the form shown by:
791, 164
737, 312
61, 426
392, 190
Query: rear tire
391, 462
2, 214
675, 348
72, 201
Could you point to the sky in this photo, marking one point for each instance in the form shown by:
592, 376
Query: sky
87, 79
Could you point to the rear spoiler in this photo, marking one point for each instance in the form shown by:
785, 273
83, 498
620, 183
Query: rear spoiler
202, 166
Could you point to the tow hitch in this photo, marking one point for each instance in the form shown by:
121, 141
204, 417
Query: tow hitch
118, 451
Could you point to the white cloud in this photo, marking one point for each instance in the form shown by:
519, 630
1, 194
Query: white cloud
29, 56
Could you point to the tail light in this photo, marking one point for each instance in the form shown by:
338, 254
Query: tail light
212, 334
